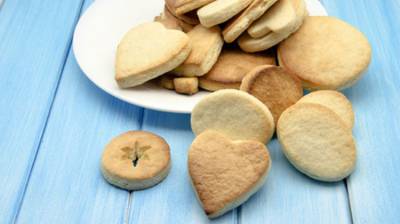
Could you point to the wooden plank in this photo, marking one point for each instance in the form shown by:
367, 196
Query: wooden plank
173, 200
373, 188
34, 41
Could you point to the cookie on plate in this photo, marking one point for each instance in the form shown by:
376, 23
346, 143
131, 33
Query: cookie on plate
231, 67
234, 113
240, 23
180, 7
186, 85
274, 86
338, 56
206, 46
317, 141
143, 55
250, 44
226, 173
333, 100
136, 160
172, 22
220, 11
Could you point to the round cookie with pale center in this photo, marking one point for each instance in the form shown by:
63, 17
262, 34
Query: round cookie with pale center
234, 113
136, 160
274, 86
325, 53
317, 142
333, 100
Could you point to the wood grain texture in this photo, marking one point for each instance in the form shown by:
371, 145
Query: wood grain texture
34, 40
374, 186
173, 200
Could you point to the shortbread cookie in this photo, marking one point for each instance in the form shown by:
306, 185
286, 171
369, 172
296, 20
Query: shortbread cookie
276, 19
186, 85
333, 100
250, 44
220, 11
226, 173
338, 55
317, 142
274, 86
231, 67
166, 81
180, 7
143, 55
234, 113
206, 46
172, 22
240, 23
136, 160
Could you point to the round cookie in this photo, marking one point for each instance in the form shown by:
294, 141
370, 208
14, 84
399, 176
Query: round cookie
325, 53
234, 113
231, 67
317, 142
136, 160
333, 100
274, 86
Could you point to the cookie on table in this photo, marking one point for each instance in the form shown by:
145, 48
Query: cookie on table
220, 11
239, 24
274, 86
143, 55
206, 44
234, 113
333, 100
317, 142
136, 160
180, 7
186, 85
231, 67
338, 56
225, 173
250, 44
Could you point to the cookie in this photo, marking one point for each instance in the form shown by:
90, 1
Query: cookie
230, 68
250, 44
225, 173
180, 7
136, 160
276, 19
143, 55
333, 100
186, 85
234, 113
220, 11
338, 56
172, 22
166, 81
240, 23
206, 46
274, 86
317, 142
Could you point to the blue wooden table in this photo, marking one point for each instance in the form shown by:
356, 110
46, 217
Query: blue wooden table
54, 123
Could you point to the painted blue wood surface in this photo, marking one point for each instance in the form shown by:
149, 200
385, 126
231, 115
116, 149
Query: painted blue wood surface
34, 40
374, 187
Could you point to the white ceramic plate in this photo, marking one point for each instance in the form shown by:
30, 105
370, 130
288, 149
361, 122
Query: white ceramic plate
97, 35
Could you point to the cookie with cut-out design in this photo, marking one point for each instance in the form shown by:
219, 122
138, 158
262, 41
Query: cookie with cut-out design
136, 160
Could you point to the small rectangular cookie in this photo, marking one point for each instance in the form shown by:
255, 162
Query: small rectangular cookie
186, 85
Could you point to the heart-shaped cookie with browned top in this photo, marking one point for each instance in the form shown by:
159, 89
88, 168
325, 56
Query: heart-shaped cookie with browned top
226, 173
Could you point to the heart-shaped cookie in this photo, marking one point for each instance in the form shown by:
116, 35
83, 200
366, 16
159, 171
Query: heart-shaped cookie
226, 173
148, 51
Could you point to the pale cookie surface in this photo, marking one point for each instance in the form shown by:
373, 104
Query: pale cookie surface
338, 56
250, 44
186, 85
240, 23
148, 51
317, 142
136, 160
231, 67
172, 22
274, 86
234, 113
206, 46
333, 100
220, 11
226, 173
180, 7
